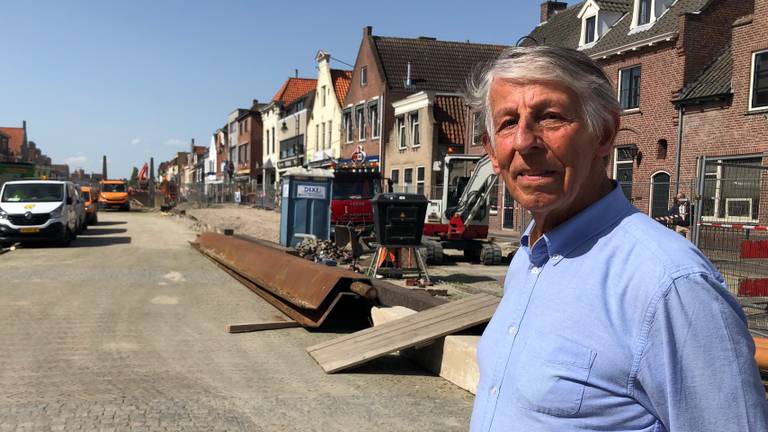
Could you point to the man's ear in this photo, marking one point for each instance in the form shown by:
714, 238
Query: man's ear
608, 137
491, 153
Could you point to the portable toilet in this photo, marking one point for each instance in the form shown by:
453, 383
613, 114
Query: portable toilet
305, 205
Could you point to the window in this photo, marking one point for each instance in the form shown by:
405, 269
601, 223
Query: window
623, 169
400, 132
629, 88
407, 180
732, 189
324, 94
360, 122
759, 94
273, 140
347, 119
395, 177
415, 138
643, 12
330, 131
267, 141
589, 30
322, 137
477, 129
420, 180
245, 123
364, 75
373, 118
317, 136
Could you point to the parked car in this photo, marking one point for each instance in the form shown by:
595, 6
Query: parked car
80, 209
34, 210
91, 205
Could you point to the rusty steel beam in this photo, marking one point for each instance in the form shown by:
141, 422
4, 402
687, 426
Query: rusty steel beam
303, 290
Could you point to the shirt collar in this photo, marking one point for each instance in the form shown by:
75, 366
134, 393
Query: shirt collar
578, 229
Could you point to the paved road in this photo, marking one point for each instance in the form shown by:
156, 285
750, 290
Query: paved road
124, 330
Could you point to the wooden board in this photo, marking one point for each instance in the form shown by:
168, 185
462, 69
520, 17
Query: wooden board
265, 325
414, 330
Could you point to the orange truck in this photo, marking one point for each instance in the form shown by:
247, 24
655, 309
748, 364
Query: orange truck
114, 194
91, 206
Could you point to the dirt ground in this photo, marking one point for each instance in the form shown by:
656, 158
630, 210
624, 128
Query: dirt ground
456, 276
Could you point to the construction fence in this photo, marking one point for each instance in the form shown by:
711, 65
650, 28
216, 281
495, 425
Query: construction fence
249, 193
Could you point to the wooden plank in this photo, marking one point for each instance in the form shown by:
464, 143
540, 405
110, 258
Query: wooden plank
265, 325
413, 330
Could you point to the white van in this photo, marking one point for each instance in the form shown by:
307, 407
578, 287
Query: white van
38, 210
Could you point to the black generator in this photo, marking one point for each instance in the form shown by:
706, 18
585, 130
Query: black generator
399, 219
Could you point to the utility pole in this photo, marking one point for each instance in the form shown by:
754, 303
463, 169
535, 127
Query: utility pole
152, 182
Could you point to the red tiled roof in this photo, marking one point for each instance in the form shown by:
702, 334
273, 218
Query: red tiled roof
15, 138
451, 119
200, 150
341, 80
293, 89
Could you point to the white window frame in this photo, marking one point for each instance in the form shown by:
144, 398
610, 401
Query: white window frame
421, 182
360, 121
364, 75
650, 188
402, 143
330, 134
317, 136
738, 218
375, 123
476, 139
322, 136
627, 69
407, 186
324, 94
752, 82
415, 131
584, 41
349, 133
716, 216
392, 177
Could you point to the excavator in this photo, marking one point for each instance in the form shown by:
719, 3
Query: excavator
459, 219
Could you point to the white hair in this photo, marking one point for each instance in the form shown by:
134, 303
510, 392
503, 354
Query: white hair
567, 67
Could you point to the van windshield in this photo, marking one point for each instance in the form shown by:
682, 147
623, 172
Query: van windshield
120, 187
86, 195
33, 192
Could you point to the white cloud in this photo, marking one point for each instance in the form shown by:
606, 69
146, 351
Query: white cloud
76, 160
136, 141
174, 142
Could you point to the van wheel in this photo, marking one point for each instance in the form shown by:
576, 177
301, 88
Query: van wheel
67, 238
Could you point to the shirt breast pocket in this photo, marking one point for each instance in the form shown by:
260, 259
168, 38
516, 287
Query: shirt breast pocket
551, 375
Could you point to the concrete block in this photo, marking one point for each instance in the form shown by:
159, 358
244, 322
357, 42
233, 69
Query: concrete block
453, 357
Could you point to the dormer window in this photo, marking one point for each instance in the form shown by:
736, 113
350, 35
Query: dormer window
597, 18
646, 12
643, 12
589, 29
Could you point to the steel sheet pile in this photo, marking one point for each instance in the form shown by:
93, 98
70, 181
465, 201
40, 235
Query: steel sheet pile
303, 290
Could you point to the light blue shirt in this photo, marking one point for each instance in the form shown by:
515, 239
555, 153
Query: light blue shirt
612, 322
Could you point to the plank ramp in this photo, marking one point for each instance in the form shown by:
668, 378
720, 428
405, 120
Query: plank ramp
411, 331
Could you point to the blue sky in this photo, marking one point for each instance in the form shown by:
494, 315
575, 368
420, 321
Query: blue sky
134, 79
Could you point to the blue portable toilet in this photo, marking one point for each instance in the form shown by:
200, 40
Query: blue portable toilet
305, 205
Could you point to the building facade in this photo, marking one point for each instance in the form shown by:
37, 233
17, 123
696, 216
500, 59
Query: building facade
324, 139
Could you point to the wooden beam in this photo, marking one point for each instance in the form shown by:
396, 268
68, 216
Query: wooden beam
265, 325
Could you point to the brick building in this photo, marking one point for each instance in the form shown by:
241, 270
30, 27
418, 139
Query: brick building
653, 51
390, 69
249, 144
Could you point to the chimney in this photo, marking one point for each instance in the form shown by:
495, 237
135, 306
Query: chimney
367, 31
104, 168
550, 8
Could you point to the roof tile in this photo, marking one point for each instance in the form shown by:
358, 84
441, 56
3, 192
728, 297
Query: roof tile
435, 65
341, 80
450, 116
293, 89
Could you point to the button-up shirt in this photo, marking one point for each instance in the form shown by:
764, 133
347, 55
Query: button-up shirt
612, 322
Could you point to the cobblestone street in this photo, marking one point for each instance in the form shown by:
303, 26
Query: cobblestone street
124, 330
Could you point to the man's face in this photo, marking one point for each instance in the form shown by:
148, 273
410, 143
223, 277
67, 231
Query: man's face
544, 152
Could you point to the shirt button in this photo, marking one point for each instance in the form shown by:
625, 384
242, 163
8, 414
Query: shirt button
556, 257
535, 270
494, 391
512, 330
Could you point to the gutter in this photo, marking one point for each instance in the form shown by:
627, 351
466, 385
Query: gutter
635, 45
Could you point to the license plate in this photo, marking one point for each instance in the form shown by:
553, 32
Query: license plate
30, 230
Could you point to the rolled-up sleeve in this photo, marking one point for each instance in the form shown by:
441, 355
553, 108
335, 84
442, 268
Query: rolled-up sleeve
695, 367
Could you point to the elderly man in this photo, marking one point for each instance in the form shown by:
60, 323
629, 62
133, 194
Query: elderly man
609, 321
